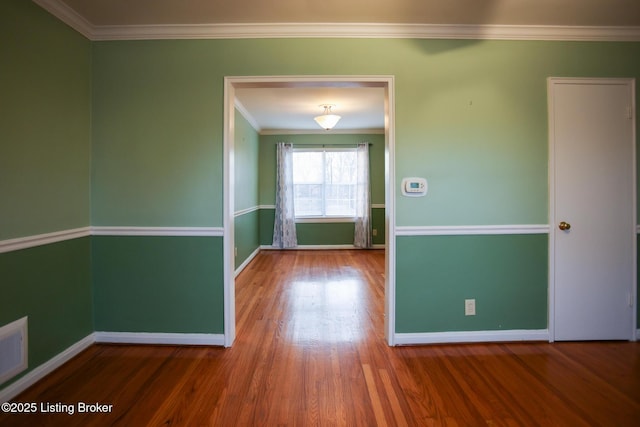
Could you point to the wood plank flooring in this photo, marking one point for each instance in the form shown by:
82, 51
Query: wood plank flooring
310, 351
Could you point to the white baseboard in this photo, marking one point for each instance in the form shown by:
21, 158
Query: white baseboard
318, 247
247, 261
301, 247
158, 338
32, 377
472, 337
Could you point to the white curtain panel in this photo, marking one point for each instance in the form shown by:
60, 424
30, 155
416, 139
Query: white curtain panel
284, 227
362, 232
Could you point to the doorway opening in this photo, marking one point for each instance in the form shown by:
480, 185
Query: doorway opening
231, 84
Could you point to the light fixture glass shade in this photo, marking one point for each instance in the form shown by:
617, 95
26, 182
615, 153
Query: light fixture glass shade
327, 120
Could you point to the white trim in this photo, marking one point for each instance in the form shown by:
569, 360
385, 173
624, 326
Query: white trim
60, 236
324, 219
472, 336
43, 239
247, 261
310, 80
228, 207
32, 377
322, 148
246, 114
301, 247
154, 338
551, 83
634, 191
63, 12
336, 30
373, 206
246, 211
321, 132
465, 230
390, 212
45, 369
230, 83
318, 247
157, 231
21, 327
551, 306
76, 233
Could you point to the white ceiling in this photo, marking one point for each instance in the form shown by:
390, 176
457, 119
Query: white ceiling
276, 109
452, 12
292, 109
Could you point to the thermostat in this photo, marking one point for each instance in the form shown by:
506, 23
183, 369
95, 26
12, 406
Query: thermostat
414, 187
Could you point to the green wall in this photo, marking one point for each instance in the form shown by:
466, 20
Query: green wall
471, 117
246, 163
45, 112
52, 285
156, 136
165, 284
506, 275
313, 234
246, 160
246, 236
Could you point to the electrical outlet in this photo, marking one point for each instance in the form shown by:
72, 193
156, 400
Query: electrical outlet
235, 251
374, 232
470, 307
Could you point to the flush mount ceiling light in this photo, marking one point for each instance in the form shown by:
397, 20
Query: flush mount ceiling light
327, 120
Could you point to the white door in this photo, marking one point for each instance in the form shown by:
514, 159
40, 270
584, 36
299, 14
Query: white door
592, 209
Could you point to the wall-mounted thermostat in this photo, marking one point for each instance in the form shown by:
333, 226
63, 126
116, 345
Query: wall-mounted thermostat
414, 187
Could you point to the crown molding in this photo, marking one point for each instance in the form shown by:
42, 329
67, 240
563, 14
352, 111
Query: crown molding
336, 30
363, 30
69, 16
247, 115
333, 131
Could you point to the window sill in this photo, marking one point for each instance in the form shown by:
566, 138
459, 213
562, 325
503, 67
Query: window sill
324, 219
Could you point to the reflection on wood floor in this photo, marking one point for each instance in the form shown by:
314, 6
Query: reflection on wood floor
310, 351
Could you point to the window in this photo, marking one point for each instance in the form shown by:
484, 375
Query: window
324, 182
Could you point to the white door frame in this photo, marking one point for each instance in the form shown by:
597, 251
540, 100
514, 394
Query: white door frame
551, 82
230, 83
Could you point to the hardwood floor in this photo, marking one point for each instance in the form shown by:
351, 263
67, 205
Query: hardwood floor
310, 351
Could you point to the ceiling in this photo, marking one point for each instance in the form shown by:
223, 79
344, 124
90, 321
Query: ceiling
276, 109
451, 12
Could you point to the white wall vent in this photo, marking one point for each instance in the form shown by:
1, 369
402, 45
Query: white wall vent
13, 349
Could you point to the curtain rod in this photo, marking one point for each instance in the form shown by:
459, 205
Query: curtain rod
329, 145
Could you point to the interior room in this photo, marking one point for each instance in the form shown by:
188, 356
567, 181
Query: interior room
138, 147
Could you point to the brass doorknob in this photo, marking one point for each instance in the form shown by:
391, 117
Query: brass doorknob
564, 226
